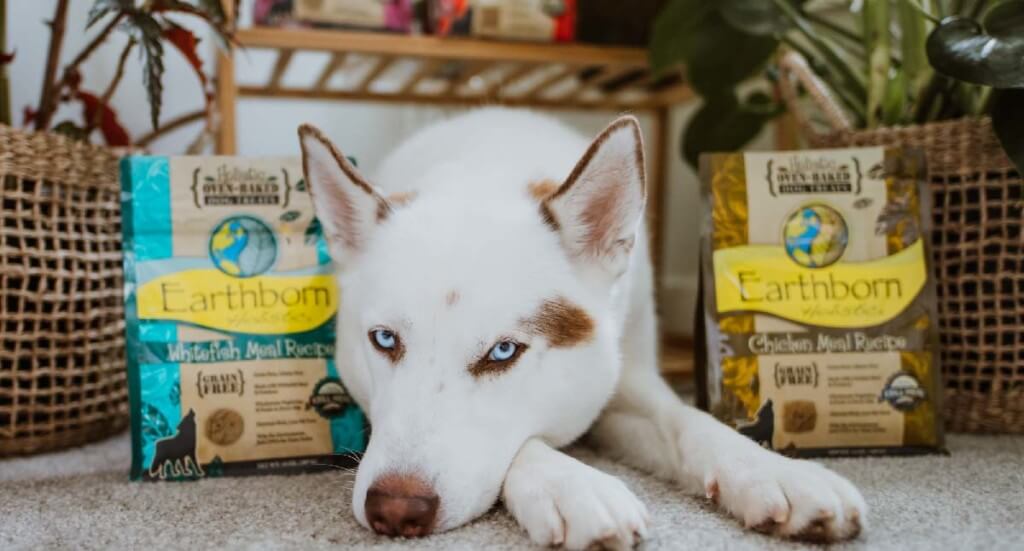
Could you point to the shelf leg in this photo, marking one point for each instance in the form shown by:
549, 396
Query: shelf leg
227, 97
658, 165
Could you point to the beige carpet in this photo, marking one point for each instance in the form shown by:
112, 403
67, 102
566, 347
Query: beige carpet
973, 499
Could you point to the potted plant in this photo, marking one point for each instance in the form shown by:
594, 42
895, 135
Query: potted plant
946, 76
62, 364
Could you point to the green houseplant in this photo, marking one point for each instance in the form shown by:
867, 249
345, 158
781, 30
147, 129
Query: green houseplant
943, 76
151, 26
889, 62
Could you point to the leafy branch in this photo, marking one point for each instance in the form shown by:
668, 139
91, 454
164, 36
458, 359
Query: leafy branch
941, 59
149, 25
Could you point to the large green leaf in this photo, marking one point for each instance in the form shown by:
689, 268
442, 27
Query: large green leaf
101, 8
672, 34
722, 56
876, 44
991, 54
1008, 123
146, 30
754, 16
913, 34
894, 102
725, 124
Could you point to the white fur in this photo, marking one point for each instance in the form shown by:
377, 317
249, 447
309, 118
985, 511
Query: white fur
474, 229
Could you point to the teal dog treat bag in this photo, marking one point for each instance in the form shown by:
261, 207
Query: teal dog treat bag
230, 305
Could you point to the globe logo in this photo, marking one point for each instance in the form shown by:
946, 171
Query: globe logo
243, 246
815, 236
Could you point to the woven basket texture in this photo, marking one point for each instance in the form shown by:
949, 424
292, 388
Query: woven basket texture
62, 354
978, 252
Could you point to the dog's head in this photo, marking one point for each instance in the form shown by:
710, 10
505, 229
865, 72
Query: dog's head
471, 321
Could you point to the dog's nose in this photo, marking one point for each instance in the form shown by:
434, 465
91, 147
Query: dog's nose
401, 505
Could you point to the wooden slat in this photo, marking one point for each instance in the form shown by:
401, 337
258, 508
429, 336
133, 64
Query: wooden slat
469, 70
438, 47
227, 95
337, 60
284, 57
510, 78
426, 68
659, 149
671, 96
382, 65
677, 357
535, 92
439, 99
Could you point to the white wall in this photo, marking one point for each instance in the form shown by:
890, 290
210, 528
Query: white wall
268, 127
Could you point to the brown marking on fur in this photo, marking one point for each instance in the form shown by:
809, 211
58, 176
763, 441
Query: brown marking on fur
394, 354
619, 123
561, 322
486, 366
542, 189
401, 198
548, 217
598, 212
349, 217
395, 200
599, 218
452, 298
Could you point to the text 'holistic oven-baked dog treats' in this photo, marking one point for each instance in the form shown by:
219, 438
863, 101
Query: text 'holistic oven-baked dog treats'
230, 303
818, 301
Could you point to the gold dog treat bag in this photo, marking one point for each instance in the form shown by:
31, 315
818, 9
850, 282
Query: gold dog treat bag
818, 313
230, 306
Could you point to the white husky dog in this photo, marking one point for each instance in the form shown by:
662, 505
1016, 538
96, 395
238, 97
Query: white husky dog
498, 304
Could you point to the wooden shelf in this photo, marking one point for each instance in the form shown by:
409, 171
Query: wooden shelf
677, 357
471, 71
467, 72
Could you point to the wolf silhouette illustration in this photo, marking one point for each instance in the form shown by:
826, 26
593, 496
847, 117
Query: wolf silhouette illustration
175, 456
763, 427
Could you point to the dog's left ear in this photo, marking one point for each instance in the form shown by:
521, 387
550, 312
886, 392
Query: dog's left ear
348, 207
599, 208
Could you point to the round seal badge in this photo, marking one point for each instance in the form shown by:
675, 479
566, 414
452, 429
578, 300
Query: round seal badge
903, 391
330, 398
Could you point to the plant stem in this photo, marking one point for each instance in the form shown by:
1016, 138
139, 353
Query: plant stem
50, 91
985, 102
109, 92
920, 9
854, 107
848, 78
835, 28
876, 44
5, 84
91, 47
928, 95
171, 125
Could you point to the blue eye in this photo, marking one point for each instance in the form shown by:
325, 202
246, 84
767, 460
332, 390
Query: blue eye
503, 351
384, 339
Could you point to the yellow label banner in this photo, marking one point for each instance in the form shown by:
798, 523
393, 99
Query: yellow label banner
262, 305
763, 278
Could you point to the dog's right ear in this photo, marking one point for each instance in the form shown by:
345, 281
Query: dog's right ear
347, 206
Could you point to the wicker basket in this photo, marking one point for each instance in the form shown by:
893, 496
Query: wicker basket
62, 362
977, 246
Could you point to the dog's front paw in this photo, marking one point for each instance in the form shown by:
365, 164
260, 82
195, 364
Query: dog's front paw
789, 498
561, 501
